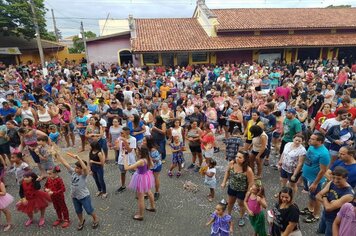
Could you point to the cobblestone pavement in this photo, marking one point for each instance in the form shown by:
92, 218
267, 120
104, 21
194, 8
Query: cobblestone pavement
178, 212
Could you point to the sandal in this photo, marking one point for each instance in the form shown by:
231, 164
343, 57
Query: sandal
151, 209
81, 226
95, 225
266, 162
139, 218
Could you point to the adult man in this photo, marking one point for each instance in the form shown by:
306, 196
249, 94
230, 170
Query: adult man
341, 115
333, 196
270, 126
284, 91
347, 161
126, 143
114, 112
129, 111
329, 94
291, 126
6, 110
315, 165
317, 102
164, 89
346, 104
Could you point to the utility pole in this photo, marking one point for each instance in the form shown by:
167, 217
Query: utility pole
38, 36
84, 40
55, 26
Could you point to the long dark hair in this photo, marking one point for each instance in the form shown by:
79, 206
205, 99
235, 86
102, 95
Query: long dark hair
145, 153
256, 131
136, 121
95, 146
150, 143
246, 162
159, 121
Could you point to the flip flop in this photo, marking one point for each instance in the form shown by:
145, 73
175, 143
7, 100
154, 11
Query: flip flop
95, 225
81, 226
151, 209
137, 218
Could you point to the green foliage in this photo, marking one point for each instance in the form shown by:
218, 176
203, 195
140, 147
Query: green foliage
16, 18
78, 45
339, 6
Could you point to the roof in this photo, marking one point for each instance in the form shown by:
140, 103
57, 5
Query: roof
186, 34
108, 36
166, 34
284, 18
24, 44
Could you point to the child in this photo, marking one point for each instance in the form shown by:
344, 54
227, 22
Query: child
210, 179
5, 201
53, 134
208, 143
20, 167
277, 132
13, 136
32, 198
157, 163
97, 162
55, 188
44, 153
81, 121
221, 222
177, 156
2, 168
232, 144
79, 190
254, 202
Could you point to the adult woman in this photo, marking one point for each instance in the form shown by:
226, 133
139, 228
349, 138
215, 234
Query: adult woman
138, 102
302, 115
180, 115
142, 181
147, 116
225, 113
338, 136
255, 120
246, 109
95, 132
235, 118
166, 114
321, 116
114, 134
289, 161
258, 147
240, 177
137, 129
97, 162
158, 133
211, 114
188, 107
193, 136
286, 215
26, 112
44, 118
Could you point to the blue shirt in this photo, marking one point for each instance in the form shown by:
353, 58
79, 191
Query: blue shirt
5, 112
336, 193
315, 156
138, 137
351, 178
54, 137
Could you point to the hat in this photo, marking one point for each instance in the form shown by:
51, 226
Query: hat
117, 86
292, 110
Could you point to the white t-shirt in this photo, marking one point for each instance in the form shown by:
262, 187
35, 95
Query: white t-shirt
20, 171
332, 93
291, 156
330, 123
131, 156
209, 171
128, 96
182, 116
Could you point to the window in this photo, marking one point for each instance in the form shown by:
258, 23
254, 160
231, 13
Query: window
199, 56
151, 58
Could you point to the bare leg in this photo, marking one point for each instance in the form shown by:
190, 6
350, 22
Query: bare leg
8, 216
200, 159
252, 162
80, 217
157, 181
123, 179
230, 204
141, 204
259, 166
151, 199
242, 207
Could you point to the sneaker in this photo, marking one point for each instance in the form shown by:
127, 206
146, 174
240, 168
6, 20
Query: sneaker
121, 189
197, 169
7, 227
178, 174
57, 222
156, 196
65, 224
191, 166
311, 219
41, 222
241, 222
306, 212
170, 173
28, 222
216, 150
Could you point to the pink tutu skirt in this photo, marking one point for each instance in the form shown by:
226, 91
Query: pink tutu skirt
142, 183
5, 201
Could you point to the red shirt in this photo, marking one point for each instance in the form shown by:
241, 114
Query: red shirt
97, 84
320, 119
351, 112
56, 186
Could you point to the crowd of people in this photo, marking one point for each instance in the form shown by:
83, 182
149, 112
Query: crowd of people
298, 118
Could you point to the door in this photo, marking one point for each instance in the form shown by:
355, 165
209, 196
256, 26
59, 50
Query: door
183, 59
168, 59
125, 57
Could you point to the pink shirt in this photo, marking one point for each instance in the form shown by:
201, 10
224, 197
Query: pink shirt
283, 91
348, 219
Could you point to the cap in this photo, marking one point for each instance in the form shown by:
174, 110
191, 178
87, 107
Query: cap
292, 110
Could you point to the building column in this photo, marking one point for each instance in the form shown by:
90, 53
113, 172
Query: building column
255, 55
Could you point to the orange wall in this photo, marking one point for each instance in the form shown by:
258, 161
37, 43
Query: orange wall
49, 55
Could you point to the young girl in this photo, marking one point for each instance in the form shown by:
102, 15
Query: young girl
55, 188
5, 200
207, 143
210, 179
221, 222
142, 181
97, 162
53, 134
254, 202
81, 121
32, 198
177, 156
157, 163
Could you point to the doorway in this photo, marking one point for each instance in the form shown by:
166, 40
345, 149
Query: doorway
125, 57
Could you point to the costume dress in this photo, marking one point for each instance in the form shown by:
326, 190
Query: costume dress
56, 185
142, 180
220, 226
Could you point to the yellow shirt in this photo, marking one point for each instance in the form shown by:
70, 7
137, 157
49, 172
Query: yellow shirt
251, 123
164, 89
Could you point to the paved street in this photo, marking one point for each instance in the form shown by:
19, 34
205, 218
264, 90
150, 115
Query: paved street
178, 212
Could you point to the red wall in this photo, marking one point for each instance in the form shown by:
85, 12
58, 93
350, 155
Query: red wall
234, 56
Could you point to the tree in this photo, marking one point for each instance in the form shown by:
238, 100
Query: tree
78, 45
16, 18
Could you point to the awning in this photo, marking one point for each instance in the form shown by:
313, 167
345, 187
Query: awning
10, 51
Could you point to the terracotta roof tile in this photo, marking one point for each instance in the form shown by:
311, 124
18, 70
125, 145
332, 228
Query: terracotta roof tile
284, 18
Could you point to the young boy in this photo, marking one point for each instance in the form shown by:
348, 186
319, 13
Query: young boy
79, 191
53, 134
20, 167
44, 153
232, 144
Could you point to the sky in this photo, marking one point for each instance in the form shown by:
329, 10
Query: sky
69, 13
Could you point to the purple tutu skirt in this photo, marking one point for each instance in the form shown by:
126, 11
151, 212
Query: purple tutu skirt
142, 183
5, 201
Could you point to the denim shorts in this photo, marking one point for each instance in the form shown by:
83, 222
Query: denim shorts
85, 203
157, 169
238, 194
311, 194
122, 169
